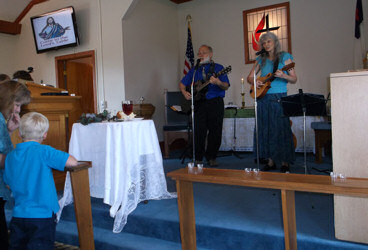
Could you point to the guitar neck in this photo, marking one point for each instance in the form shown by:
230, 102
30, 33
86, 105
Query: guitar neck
207, 82
202, 86
270, 79
272, 76
222, 72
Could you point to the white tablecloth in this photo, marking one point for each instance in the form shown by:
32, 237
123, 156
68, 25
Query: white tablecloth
127, 165
244, 130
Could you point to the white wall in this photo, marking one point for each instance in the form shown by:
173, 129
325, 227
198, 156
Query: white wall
111, 58
151, 52
7, 48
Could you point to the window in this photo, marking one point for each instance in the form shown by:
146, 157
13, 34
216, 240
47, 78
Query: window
274, 18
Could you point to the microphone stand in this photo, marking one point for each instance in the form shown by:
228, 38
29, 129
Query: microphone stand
192, 107
256, 115
304, 109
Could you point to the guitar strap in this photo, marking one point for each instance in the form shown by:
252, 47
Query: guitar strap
210, 72
275, 65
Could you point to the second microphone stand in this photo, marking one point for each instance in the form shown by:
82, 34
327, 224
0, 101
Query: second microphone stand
256, 114
192, 107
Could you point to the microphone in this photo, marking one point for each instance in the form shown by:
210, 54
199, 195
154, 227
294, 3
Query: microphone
197, 64
261, 52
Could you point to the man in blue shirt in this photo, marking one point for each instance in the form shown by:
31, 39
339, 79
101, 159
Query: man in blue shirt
208, 105
28, 173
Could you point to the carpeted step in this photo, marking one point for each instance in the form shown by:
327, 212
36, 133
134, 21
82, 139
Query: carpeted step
229, 217
106, 239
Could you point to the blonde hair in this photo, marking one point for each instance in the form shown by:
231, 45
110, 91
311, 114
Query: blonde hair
33, 126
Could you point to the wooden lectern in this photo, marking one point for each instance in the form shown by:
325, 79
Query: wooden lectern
62, 112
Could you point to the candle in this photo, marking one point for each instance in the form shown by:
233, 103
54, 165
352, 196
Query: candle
242, 85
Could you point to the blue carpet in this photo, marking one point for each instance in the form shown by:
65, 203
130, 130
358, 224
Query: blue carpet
227, 217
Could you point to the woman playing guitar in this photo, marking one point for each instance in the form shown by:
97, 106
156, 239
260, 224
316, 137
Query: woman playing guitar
275, 141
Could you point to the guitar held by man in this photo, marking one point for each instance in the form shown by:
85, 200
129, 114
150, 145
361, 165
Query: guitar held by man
200, 89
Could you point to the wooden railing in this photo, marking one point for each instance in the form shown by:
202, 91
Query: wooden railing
82, 203
286, 183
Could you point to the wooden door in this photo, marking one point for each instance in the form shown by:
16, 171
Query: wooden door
76, 73
79, 80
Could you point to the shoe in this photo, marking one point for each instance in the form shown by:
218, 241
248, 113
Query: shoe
268, 168
261, 160
285, 169
212, 163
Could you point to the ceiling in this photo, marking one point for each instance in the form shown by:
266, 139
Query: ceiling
10, 11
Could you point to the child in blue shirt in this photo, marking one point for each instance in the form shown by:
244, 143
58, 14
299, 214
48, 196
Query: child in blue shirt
28, 173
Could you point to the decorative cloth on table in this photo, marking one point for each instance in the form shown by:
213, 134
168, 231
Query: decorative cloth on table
245, 125
127, 165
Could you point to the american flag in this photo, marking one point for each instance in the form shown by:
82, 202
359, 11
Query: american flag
189, 54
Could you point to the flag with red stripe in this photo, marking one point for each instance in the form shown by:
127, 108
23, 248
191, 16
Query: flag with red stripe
189, 54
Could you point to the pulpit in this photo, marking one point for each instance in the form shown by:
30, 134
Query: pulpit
62, 112
349, 146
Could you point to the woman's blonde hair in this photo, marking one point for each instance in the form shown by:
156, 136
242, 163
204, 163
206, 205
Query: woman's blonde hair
33, 126
11, 92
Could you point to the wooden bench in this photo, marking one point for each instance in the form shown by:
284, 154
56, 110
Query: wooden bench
82, 203
286, 183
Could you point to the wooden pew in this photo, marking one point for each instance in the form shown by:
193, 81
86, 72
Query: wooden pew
82, 203
286, 183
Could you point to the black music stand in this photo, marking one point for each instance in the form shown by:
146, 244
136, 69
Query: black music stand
302, 105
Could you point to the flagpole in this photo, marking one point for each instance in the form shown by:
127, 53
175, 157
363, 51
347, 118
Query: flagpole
188, 21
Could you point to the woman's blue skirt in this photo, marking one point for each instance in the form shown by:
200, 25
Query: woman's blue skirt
275, 140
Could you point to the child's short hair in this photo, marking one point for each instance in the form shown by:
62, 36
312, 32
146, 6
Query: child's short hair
33, 126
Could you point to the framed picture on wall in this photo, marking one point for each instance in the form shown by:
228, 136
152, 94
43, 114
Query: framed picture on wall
273, 18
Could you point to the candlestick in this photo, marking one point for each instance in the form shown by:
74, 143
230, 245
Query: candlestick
242, 93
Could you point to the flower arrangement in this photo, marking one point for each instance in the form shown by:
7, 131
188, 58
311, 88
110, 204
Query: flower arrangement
88, 118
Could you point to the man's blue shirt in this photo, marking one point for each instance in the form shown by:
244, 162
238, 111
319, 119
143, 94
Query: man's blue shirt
213, 90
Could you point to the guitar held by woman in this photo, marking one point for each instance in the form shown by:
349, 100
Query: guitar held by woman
262, 90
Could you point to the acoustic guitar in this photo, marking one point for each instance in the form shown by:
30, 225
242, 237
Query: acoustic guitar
200, 90
261, 92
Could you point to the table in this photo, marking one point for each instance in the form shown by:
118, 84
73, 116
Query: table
244, 130
286, 183
127, 165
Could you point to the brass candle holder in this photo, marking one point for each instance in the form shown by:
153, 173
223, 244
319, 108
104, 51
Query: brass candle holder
242, 93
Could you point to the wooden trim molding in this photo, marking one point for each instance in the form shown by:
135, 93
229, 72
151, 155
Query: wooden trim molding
10, 28
14, 28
